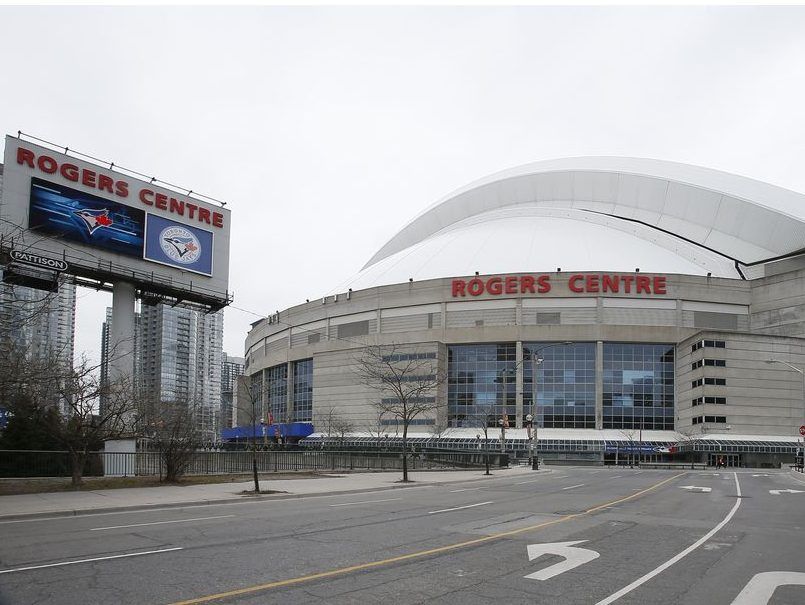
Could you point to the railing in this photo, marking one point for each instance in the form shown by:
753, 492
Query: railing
22, 463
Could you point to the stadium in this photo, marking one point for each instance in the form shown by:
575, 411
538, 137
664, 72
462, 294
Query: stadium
625, 305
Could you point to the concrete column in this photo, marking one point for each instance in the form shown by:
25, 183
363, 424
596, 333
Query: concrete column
121, 336
518, 392
121, 357
599, 385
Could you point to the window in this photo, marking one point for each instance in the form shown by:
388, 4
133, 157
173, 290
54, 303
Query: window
716, 381
481, 383
303, 390
696, 401
565, 384
717, 363
716, 400
638, 386
715, 344
696, 383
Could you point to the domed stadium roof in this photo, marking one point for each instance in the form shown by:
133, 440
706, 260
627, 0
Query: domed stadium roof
596, 213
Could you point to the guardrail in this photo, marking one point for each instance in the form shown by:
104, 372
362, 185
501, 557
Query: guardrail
24, 463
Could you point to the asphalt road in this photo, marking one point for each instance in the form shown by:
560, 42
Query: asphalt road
639, 537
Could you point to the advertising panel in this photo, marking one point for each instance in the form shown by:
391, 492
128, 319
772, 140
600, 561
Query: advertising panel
84, 218
107, 224
177, 245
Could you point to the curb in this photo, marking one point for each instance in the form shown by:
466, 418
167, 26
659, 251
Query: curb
219, 501
797, 476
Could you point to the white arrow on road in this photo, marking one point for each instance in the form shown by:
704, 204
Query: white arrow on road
761, 587
694, 488
777, 492
573, 558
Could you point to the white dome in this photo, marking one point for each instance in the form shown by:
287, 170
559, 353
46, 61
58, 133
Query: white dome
589, 214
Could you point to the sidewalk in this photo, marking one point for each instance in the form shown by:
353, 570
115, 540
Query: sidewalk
59, 504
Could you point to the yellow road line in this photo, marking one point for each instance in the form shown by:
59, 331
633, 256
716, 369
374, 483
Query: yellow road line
415, 555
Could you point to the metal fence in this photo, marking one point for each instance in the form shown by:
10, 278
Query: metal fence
21, 463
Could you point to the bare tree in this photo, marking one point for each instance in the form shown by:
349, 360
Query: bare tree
375, 426
342, 426
172, 430
250, 400
629, 436
335, 425
481, 418
406, 382
684, 437
66, 401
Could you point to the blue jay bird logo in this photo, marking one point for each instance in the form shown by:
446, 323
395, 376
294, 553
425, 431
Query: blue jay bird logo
94, 219
180, 244
183, 245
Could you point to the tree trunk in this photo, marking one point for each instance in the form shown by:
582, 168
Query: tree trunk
254, 470
77, 466
405, 450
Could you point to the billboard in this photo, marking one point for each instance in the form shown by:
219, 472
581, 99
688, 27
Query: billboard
109, 225
84, 218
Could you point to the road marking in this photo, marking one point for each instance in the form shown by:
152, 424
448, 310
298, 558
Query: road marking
573, 558
761, 587
694, 488
366, 502
594, 472
466, 489
777, 492
524, 482
418, 554
560, 477
710, 474
762, 475
160, 522
643, 579
182, 505
573, 486
131, 554
447, 510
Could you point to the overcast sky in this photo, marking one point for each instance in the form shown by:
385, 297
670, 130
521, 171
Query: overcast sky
327, 129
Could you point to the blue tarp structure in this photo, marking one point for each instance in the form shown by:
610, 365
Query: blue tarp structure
286, 430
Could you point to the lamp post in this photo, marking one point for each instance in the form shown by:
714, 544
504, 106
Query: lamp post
802, 373
535, 361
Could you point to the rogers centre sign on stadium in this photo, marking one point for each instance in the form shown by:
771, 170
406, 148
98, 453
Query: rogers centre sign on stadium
577, 283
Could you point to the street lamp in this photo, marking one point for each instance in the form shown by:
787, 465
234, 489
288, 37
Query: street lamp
535, 361
802, 373
503, 421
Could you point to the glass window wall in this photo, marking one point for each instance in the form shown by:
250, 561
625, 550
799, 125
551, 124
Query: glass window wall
481, 384
565, 386
638, 386
303, 390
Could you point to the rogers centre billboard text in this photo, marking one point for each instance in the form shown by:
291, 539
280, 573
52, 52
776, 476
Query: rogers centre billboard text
577, 283
117, 187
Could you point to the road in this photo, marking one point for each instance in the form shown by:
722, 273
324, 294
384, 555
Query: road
636, 537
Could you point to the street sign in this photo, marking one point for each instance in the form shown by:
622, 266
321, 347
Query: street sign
573, 556
802, 430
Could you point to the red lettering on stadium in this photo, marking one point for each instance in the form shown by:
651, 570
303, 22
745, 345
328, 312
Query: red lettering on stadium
578, 283
117, 187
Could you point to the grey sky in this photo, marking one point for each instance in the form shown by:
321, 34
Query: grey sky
326, 129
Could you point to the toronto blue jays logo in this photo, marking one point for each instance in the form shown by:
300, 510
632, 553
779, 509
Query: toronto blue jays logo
94, 219
180, 245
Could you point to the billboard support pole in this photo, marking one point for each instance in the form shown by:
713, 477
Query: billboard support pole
121, 345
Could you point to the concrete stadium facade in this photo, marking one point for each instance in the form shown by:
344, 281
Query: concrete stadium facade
658, 297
